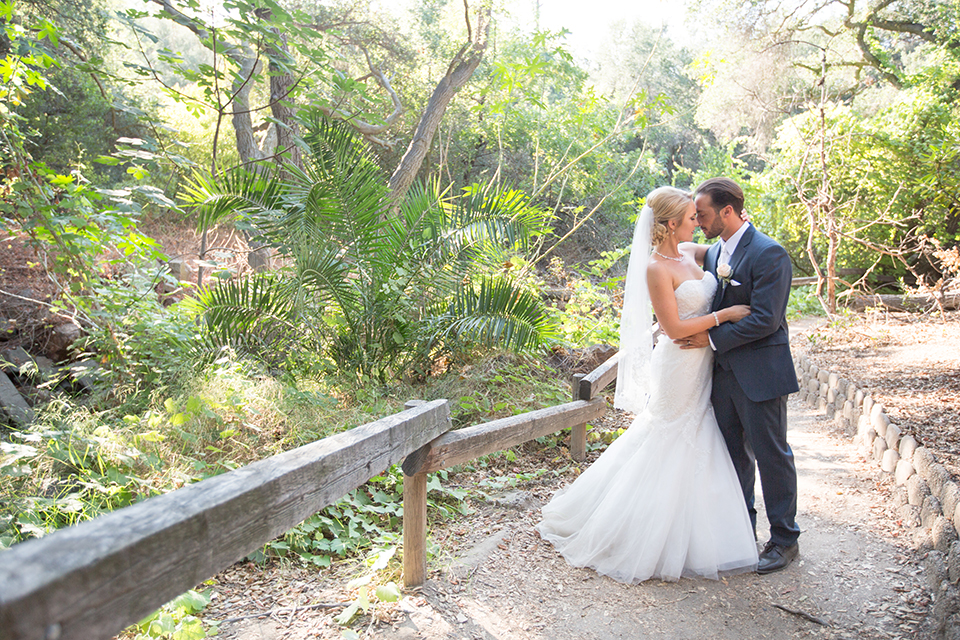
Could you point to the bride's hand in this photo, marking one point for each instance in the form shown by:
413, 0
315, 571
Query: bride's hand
735, 313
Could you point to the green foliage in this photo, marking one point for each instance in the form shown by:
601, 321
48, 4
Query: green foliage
87, 472
177, 620
375, 563
894, 172
803, 303
374, 290
364, 519
591, 315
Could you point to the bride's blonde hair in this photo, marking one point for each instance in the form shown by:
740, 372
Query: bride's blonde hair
667, 203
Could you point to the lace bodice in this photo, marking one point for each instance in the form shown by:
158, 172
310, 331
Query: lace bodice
694, 296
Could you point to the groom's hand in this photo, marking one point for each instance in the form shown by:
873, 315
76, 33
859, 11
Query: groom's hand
696, 341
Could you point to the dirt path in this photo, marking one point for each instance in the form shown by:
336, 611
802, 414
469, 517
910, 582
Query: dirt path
858, 575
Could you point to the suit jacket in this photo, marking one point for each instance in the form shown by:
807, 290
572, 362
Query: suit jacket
756, 349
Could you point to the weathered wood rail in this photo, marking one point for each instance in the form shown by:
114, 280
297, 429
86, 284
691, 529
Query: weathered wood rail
464, 445
93, 580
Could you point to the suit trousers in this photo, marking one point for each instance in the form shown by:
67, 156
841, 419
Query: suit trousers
756, 436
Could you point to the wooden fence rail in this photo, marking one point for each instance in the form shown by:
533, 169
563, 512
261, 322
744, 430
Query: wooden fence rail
93, 580
464, 445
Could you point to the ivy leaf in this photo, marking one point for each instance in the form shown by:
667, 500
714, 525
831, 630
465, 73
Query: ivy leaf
49, 31
347, 614
388, 592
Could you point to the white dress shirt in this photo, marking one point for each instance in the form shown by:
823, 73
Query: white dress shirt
727, 247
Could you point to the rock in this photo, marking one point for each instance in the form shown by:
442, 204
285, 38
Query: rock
950, 498
953, 561
879, 448
917, 490
867, 406
879, 419
61, 339
889, 460
937, 479
910, 514
930, 511
944, 534
935, 570
867, 445
899, 496
892, 436
520, 500
946, 603
922, 461
903, 471
180, 270
84, 374
14, 410
13, 359
823, 376
260, 259
908, 445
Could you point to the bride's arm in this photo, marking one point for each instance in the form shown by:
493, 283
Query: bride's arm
664, 303
697, 251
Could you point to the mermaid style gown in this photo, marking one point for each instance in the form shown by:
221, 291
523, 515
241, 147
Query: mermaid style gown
663, 501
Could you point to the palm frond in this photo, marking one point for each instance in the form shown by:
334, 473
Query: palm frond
236, 194
347, 192
496, 312
323, 276
253, 315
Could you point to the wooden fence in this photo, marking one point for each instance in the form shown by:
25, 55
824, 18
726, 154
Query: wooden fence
464, 445
93, 580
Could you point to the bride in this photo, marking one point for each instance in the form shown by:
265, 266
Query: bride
663, 501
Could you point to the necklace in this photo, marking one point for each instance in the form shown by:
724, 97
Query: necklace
680, 259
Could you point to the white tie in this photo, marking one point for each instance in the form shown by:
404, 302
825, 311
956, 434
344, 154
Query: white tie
724, 255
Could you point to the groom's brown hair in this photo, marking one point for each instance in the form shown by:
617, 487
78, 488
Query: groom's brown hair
723, 192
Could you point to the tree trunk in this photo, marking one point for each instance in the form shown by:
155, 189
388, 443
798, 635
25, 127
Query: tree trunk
458, 73
281, 84
919, 302
241, 119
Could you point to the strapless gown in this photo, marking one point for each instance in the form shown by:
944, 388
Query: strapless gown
663, 501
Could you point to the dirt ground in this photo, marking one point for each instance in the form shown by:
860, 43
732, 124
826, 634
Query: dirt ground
858, 576
908, 363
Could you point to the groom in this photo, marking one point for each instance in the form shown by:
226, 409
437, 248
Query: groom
753, 370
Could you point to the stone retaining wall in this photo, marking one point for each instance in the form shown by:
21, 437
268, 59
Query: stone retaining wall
925, 496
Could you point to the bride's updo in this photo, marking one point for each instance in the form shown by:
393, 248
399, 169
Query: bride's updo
667, 203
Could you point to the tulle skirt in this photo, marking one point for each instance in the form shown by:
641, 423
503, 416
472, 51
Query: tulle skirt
663, 501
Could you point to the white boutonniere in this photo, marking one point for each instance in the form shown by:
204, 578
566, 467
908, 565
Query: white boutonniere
725, 273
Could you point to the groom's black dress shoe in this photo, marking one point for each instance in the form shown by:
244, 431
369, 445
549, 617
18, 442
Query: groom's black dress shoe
776, 557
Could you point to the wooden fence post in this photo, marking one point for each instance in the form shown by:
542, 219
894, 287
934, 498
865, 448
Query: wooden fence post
414, 521
414, 529
578, 433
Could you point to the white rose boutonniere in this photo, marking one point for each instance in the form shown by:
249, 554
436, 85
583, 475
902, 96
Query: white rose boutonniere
724, 273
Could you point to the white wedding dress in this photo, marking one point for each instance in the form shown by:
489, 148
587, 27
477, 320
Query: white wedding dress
663, 501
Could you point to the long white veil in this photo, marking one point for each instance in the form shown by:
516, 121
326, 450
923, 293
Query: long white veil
636, 323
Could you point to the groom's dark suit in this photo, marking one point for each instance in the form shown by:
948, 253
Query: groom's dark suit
753, 374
